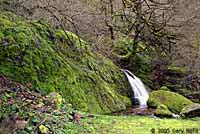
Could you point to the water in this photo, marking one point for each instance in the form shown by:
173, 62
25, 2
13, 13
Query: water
140, 92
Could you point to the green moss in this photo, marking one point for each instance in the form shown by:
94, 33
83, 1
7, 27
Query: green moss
164, 88
1, 36
18, 103
143, 68
192, 110
173, 101
130, 125
163, 111
55, 98
176, 69
72, 39
172, 87
54, 60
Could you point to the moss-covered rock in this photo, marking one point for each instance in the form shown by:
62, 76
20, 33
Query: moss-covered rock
53, 60
175, 102
163, 111
164, 88
192, 110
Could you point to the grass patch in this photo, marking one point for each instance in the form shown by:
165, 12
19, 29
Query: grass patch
133, 125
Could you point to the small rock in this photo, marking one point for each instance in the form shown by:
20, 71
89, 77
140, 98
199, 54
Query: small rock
164, 88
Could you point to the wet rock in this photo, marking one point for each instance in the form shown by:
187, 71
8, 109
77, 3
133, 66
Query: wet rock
135, 101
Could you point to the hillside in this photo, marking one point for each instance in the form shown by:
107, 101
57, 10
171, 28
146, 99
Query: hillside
49, 60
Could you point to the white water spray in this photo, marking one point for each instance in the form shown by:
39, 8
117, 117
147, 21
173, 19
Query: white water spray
140, 92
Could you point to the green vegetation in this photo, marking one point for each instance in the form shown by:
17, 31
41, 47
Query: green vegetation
143, 68
36, 114
176, 69
140, 63
57, 75
55, 98
163, 111
49, 60
164, 88
130, 125
23, 111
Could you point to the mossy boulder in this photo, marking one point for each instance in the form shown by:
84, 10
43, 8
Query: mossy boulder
175, 102
53, 60
164, 88
192, 110
163, 111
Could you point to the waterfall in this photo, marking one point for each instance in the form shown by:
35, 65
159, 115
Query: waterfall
140, 92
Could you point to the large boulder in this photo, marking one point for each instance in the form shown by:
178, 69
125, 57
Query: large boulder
52, 60
175, 102
192, 110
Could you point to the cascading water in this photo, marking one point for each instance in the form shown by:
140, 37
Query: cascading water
140, 92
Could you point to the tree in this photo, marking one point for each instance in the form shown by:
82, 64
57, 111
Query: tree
151, 23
